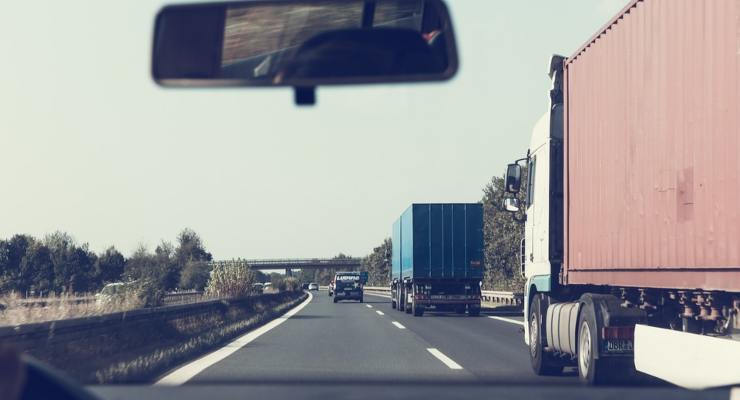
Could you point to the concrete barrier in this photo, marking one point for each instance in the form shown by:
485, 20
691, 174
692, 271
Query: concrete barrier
132, 346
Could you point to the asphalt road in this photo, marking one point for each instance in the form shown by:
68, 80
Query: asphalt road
352, 342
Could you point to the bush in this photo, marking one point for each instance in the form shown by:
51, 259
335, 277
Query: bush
230, 280
148, 293
195, 275
292, 284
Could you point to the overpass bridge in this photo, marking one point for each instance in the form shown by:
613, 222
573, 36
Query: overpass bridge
289, 264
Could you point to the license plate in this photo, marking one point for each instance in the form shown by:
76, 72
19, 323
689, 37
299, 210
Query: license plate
618, 346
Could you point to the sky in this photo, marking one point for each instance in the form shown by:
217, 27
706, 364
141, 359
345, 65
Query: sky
91, 146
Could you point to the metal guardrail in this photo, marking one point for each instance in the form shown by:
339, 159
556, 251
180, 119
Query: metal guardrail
44, 301
109, 339
502, 298
184, 297
492, 297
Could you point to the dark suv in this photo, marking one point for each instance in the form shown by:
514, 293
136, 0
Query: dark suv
347, 286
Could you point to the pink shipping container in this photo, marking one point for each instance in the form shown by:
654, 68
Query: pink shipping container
652, 149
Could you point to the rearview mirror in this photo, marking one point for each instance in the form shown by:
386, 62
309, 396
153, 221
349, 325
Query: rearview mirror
513, 181
303, 43
511, 204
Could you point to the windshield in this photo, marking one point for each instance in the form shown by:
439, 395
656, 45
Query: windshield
167, 225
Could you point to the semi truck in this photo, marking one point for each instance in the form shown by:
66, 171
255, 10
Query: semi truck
437, 258
631, 247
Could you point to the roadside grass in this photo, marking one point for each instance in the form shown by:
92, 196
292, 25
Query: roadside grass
16, 310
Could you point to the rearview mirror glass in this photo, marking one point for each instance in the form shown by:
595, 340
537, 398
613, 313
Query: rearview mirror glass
513, 180
303, 43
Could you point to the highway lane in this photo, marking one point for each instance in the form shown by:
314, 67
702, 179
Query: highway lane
370, 341
491, 349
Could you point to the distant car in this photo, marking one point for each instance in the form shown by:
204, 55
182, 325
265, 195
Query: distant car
313, 286
305, 286
348, 286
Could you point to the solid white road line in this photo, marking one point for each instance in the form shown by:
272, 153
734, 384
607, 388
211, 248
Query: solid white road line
368, 306
445, 360
378, 295
379, 312
399, 326
509, 320
186, 372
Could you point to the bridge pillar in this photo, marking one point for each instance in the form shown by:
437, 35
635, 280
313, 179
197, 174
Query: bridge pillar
288, 272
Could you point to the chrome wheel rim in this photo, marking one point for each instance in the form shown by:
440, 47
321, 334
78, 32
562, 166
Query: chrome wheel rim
533, 336
584, 349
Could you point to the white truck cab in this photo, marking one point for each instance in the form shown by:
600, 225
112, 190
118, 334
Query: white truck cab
542, 250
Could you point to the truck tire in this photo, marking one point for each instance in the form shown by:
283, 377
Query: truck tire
543, 363
591, 370
393, 304
362, 300
418, 310
473, 311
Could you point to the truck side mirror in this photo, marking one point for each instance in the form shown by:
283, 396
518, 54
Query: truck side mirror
511, 204
513, 181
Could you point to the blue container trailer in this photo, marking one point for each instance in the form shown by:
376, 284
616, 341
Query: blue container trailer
437, 259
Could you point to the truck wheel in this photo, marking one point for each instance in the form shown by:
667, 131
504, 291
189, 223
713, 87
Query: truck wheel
362, 300
418, 310
591, 370
393, 304
543, 363
473, 311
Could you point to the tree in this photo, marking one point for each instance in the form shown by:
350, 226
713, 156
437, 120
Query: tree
73, 265
167, 264
260, 276
37, 270
148, 275
502, 237
190, 248
195, 275
378, 264
109, 266
12, 252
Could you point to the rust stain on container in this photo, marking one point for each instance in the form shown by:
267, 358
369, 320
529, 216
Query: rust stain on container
652, 148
